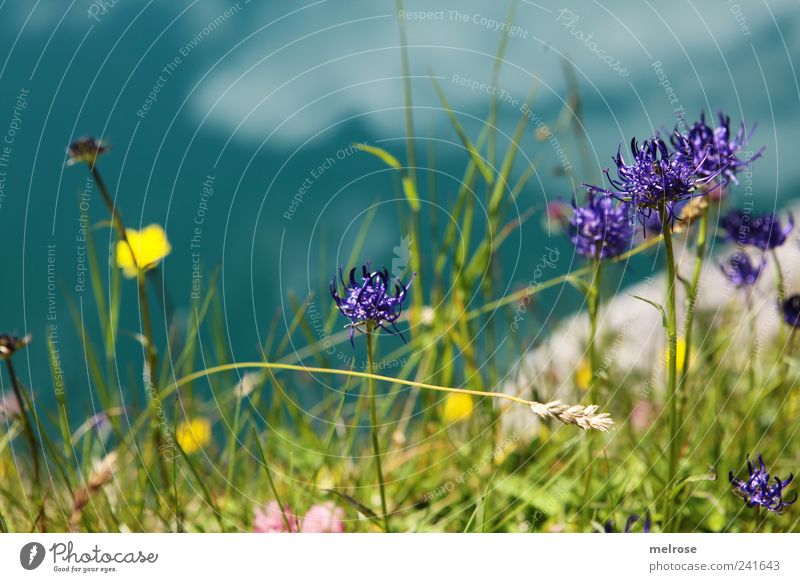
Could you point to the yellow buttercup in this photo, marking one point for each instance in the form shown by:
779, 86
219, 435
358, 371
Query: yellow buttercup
193, 435
149, 245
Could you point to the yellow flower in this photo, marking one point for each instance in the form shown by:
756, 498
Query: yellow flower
457, 407
681, 353
193, 435
583, 374
149, 245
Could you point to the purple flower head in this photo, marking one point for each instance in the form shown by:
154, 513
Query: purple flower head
740, 272
86, 149
713, 150
629, 523
761, 490
370, 302
791, 310
655, 177
736, 226
763, 231
602, 228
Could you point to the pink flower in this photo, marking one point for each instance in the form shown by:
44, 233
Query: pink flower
268, 519
9, 406
642, 416
323, 518
558, 214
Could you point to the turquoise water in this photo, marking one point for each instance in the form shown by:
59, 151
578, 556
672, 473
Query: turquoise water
232, 125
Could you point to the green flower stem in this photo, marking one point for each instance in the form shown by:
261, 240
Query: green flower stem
593, 300
691, 305
781, 291
373, 421
32, 442
786, 363
691, 297
116, 219
46, 443
147, 327
779, 283
594, 303
672, 385
751, 360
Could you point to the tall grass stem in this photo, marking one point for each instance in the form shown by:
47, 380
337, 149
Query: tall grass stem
374, 429
672, 385
691, 298
32, 441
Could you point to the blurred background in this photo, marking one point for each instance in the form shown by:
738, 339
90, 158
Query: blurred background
232, 123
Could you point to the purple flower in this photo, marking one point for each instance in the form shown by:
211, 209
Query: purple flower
602, 228
741, 272
655, 177
791, 310
762, 231
86, 149
759, 489
735, 224
713, 150
370, 301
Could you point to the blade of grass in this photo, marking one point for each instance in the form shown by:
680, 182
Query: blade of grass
409, 187
271, 482
409, 106
203, 487
474, 154
491, 122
